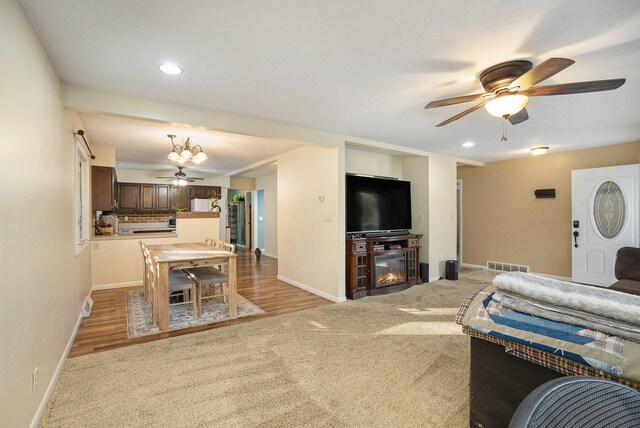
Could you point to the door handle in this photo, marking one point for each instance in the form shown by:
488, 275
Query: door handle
575, 238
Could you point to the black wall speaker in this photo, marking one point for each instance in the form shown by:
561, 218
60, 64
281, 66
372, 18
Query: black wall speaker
545, 193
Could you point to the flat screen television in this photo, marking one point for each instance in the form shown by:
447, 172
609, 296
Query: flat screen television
377, 204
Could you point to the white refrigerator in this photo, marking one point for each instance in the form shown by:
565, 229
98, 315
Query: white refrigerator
200, 205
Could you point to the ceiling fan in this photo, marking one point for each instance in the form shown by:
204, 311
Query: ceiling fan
509, 85
180, 178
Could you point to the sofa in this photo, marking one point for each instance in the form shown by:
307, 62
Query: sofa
627, 270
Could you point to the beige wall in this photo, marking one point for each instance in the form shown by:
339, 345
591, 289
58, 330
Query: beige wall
118, 262
359, 161
416, 170
502, 220
442, 213
45, 283
308, 230
244, 183
105, 156
270, 185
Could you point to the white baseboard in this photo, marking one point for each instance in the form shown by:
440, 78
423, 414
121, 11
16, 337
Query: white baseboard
312, 290
469, 265
270, 255
434, 278
47, 394
116, 285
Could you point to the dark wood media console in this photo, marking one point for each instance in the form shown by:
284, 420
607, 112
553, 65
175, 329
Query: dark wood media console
382, 264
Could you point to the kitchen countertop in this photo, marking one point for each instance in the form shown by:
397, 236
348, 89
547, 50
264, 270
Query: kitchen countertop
139, 236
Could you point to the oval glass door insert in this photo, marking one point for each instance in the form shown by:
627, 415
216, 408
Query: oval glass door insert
609, 210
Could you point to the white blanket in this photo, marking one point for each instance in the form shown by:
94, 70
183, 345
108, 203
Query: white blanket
553, 294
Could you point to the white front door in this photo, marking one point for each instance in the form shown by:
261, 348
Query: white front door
605, 218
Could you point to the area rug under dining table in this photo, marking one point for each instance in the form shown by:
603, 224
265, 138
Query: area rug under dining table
180, 316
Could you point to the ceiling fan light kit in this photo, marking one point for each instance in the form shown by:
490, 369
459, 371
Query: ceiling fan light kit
185, 153
506, 105
180, 178
509, 85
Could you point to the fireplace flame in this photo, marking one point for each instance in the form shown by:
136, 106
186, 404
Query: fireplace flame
389, 278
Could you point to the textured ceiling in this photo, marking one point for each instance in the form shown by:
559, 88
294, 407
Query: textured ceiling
364, 68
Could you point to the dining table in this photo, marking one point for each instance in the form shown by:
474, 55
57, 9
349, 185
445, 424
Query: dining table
189, 255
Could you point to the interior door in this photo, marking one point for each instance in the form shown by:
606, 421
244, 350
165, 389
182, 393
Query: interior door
605, 218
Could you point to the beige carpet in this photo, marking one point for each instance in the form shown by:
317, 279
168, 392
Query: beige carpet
394, 360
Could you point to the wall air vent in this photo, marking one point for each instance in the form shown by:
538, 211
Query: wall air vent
507, 267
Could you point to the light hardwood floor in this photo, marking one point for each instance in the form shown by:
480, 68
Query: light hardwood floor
106, 327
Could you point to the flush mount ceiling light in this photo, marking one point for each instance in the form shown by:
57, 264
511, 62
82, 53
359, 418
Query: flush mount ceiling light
468, 144
170, 68
539, 150
185, 153
506, 105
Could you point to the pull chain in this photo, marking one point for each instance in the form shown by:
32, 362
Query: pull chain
504, 130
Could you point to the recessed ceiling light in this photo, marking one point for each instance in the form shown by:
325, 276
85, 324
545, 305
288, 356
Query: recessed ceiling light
539, 150
170, 68
468, 144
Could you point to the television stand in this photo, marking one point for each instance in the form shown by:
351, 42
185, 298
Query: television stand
381, 264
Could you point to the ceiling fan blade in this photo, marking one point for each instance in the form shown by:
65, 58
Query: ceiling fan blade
195, 178
519, 117
574, 88
541, 72
170, 178
455, 100
464, 113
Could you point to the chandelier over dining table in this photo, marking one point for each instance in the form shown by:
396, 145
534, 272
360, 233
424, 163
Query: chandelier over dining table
185, 152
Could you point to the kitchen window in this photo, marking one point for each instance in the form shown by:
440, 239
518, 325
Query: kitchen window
82, 211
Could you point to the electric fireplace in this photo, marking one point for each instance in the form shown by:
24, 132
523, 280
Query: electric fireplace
390, 270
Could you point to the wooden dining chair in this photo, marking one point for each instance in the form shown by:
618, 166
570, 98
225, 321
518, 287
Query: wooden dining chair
211, 279
179, 284
145, 271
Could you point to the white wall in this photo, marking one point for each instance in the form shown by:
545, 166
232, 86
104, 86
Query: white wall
442, 213
45, 284
308, 230
270, 185
128, 175
416, 170
359, 161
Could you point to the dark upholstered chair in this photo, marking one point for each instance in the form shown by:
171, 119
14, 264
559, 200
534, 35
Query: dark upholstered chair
628, 270
579, 402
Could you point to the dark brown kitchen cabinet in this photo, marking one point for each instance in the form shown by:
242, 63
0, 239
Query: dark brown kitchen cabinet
180, 196
203, 192
103, 188
163, 197
147, 197
128, 196
198, 192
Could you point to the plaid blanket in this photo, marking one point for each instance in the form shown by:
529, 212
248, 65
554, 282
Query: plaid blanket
603, 352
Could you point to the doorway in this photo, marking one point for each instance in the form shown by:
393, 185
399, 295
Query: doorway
459, 221
604, 206
260, 216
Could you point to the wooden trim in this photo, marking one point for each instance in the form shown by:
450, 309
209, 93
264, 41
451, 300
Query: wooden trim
197, 214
